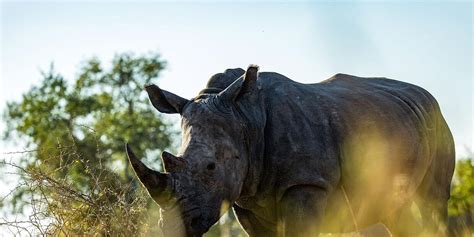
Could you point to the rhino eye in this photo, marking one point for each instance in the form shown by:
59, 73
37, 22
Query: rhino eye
211, 166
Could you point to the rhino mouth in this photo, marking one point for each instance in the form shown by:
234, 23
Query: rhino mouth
194, 221
199, 224
195, 228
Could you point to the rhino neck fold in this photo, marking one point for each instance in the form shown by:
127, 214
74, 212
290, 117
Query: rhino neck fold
254, 117
254, 171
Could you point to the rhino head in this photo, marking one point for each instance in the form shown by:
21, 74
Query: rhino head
207, 176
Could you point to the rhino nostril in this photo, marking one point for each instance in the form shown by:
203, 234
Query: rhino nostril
211, 166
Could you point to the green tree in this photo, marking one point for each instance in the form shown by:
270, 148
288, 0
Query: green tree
76, 130
461, 202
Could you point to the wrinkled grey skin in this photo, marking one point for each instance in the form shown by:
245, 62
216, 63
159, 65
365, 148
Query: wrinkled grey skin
299, 159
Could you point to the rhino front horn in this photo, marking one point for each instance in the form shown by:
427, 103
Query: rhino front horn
155, 182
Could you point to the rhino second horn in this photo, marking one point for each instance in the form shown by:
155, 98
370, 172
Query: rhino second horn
172, 163
154, 181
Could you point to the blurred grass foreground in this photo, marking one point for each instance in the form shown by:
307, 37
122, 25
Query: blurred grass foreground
74, 178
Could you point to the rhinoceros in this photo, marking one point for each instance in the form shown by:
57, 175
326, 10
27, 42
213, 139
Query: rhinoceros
297, 159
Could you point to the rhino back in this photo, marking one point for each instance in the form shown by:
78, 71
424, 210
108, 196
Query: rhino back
375, 136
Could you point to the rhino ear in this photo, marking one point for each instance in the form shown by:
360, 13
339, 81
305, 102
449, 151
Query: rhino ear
164, 101
246, 83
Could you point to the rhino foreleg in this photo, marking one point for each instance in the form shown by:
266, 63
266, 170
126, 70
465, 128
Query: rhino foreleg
301, 211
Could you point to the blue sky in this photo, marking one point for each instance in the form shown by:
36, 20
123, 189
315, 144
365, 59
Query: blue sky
428, 44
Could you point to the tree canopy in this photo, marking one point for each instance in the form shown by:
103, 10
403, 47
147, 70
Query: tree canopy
77, 129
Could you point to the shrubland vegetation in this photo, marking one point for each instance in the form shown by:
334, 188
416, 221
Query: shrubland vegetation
74, 178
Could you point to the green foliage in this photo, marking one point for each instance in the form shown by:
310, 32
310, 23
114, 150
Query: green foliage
77, 130
462, 192
461, 202
110, 102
